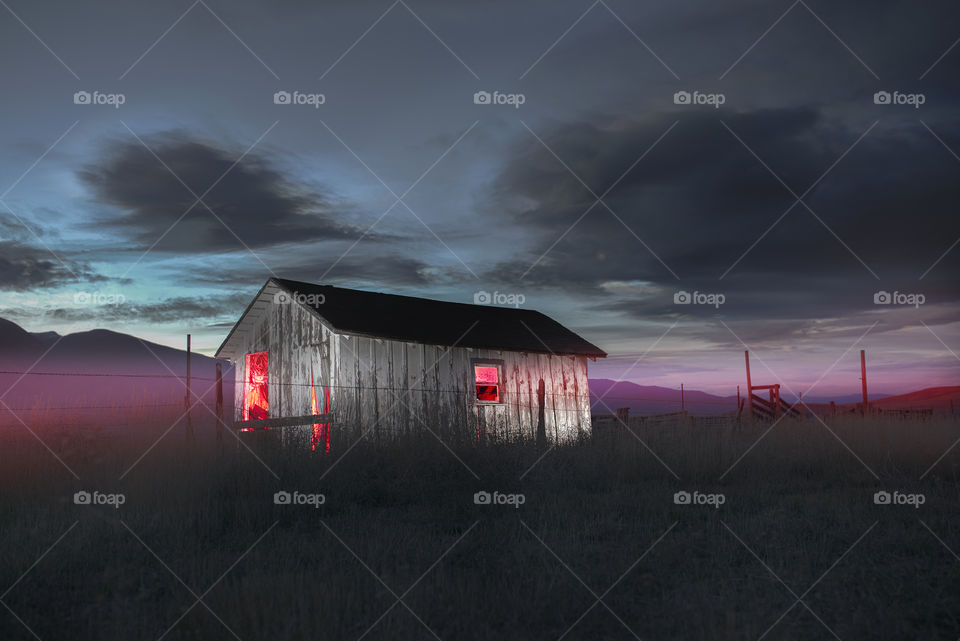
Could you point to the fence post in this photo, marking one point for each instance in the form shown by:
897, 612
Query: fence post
219, 403
623, 416
863, 380
186, 397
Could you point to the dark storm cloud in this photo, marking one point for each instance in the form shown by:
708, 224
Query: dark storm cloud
170, 310
700, 199
358, 266
25, 266
257, 205
390, 269
231, 290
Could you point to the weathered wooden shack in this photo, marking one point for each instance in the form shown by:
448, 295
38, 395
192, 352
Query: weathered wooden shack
382, 365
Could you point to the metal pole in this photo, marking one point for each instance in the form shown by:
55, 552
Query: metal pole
863, 380
219, 403
186, 398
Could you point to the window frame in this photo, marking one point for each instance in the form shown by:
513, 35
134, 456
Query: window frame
487, 362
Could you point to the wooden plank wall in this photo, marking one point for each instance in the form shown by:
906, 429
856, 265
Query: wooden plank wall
382, 388
402, 388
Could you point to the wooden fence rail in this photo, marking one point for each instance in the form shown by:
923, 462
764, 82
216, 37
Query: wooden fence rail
286, 421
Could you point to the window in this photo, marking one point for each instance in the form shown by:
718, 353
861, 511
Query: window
256, 403
486, 376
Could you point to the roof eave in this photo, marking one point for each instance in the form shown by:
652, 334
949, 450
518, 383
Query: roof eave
240, 320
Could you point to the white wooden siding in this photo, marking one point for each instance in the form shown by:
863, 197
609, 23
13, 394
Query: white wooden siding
383, 388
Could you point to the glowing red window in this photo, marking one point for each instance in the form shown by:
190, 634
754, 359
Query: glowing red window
256, 403
487, 379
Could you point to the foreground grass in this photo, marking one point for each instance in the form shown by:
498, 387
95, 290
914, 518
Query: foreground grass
599, 520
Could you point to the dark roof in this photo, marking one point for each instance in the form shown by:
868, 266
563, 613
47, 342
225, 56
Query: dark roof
422, 320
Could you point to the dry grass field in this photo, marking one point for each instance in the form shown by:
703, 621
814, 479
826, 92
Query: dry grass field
399, 549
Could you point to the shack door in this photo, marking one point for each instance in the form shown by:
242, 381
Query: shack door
256, 402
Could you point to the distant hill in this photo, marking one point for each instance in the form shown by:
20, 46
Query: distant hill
96, 368
606, 395
652, 399
935, 398
16, 342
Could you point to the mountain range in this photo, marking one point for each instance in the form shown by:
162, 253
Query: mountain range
96, 368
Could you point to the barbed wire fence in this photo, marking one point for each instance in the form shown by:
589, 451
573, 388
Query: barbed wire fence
663, 408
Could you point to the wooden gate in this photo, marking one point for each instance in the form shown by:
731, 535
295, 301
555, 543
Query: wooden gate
770, 408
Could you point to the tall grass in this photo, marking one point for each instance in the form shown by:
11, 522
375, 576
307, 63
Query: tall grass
798, 497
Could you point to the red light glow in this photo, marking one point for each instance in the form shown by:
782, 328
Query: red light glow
321, 431
256, 387
485, 375
487, 378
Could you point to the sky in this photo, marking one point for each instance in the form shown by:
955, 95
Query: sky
677, 182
